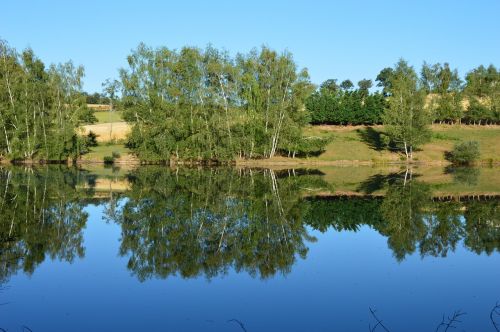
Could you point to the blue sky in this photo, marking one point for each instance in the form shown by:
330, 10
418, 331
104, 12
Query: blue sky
333, 39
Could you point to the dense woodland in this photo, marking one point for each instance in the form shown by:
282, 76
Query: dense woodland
207, 106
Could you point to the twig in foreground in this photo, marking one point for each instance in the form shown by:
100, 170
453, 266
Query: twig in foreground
379, 322
451, 320
239, 323
495, 312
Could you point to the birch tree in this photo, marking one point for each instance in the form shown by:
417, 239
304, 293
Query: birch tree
405, 119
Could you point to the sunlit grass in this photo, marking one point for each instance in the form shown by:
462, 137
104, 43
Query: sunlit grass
107, 117
348, 144
99, 152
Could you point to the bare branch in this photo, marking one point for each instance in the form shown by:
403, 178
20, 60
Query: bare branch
239, 323
453, 319
379, 322
495, 312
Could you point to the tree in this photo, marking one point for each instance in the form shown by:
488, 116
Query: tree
346, 85
365, 85
345, 106
204, 105
483, 91
110, 90
405, 119
384, 80
443, 86
40, 108
329, 86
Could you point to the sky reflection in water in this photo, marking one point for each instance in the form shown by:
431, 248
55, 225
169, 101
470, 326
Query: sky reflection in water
191, 250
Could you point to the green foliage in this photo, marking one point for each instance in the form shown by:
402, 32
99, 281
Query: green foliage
41, 215
464, 153
444, 89
204, 222
205, 105
86, 115
109, 160
199, 222
310, 146
483, 92
40, 108
91, 139
345, 107
95, 98
405, 119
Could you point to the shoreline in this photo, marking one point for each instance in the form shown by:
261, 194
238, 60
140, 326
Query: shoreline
251, 163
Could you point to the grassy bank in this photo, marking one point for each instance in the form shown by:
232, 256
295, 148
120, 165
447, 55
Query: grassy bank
363, 145
350, 145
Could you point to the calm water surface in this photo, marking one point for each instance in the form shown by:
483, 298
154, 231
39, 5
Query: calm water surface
244, 250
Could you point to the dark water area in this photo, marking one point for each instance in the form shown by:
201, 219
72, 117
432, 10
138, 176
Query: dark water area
243, 250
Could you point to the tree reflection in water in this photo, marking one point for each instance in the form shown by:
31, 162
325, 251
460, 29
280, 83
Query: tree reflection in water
207, 222
40, 215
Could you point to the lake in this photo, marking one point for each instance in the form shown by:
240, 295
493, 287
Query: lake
226, 249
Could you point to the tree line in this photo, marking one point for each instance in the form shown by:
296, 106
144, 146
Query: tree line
203, 105
206, 105
447, 98
40, 107
341, 104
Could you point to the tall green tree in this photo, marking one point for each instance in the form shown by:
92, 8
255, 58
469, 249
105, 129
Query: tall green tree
40, 108
405, 119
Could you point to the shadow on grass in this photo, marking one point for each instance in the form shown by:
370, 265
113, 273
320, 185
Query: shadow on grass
373, 138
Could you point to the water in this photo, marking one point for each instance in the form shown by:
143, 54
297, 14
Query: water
246, 250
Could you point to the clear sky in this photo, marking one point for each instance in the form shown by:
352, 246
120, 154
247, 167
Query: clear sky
333, 39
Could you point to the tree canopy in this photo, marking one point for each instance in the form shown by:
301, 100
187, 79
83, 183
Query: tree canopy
40, 108
206, 105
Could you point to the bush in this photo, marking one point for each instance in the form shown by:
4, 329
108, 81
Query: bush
311, 146
464, 153
91, 139
115, 154
108, 160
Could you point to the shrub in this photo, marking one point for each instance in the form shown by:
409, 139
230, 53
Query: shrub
91, 139
115, 154
311, 146
108, 160
464, 153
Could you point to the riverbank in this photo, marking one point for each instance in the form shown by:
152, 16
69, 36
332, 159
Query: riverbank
349, 146
361, 146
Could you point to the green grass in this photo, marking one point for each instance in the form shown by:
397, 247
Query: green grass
107, 117
362, 144
99, 152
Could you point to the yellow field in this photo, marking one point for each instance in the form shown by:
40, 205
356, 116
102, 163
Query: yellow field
106, 132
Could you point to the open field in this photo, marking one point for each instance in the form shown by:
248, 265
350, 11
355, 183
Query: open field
107, 117
364, 144
107, 132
